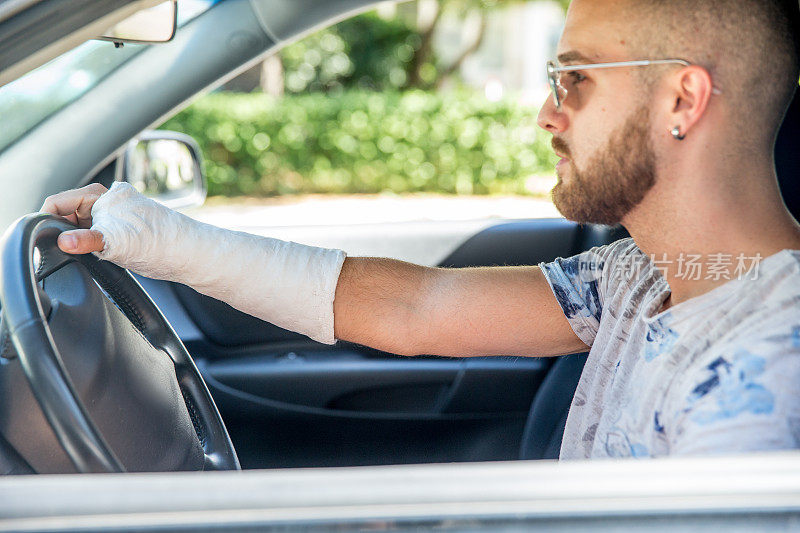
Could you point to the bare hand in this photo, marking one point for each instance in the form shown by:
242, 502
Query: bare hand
76, 206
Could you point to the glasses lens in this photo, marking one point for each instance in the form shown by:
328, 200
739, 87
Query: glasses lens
552, 77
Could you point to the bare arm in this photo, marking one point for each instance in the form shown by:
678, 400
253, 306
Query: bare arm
410, 309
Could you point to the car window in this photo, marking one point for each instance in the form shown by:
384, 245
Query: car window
378, 120
29, 100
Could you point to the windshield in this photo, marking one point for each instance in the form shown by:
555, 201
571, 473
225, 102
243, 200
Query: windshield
29, 100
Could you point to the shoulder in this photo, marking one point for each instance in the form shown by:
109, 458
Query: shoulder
616, 251
767, 302
597, 262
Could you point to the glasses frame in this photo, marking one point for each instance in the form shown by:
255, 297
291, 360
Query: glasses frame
554, 71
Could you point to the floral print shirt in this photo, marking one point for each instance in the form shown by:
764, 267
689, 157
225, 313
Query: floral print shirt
719, 373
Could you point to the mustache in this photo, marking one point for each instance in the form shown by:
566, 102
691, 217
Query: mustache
560, 146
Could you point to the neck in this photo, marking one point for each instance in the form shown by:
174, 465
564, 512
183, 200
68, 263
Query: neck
733, 208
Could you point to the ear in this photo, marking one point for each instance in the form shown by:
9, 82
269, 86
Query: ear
691, 90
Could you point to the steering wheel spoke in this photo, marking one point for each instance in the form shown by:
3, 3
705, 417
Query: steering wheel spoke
49, 261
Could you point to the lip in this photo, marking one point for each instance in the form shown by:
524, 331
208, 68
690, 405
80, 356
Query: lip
563, 162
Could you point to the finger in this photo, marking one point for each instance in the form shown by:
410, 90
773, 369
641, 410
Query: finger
75, 205
81, 241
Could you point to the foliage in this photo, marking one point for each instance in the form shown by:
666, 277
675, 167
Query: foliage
370, 52
363, 141
365, 52
425, 71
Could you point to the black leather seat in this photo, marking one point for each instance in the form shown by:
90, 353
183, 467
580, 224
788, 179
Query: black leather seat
544, 429
787, 162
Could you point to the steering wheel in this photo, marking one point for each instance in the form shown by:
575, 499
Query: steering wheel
116, 388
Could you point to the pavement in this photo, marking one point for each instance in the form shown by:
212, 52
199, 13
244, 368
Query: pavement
340, 210
422, 228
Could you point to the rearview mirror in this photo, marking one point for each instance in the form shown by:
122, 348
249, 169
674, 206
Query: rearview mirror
156, 24
165, 166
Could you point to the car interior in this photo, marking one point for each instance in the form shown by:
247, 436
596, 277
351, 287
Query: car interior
285, 400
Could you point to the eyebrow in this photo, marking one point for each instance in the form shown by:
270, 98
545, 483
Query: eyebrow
573, 56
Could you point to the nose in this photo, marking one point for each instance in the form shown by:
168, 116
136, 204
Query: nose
550, 118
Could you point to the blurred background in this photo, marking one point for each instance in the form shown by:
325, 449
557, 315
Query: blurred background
415, 100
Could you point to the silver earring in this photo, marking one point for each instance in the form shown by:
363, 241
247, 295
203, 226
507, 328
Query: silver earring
676, 132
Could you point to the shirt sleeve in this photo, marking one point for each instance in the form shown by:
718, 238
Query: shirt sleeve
581, 282
743, 398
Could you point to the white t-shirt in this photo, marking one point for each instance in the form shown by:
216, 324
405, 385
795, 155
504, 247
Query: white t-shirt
718, 373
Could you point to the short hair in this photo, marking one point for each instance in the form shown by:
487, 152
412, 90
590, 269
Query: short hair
750, 48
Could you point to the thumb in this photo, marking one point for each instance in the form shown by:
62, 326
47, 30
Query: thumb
81, 241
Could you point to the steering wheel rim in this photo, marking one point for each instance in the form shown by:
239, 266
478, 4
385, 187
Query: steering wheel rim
23, 308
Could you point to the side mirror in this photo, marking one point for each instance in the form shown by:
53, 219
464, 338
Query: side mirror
165, 166
155, 24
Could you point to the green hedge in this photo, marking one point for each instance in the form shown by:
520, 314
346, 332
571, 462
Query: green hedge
365, 142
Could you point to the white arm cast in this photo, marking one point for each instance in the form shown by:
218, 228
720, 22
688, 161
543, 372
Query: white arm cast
288, 284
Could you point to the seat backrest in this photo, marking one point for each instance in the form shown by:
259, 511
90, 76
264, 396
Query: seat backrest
541, 438
787, 157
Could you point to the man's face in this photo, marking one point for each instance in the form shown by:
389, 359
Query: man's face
602, 131
615, 178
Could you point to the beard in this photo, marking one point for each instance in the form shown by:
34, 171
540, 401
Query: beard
616, 179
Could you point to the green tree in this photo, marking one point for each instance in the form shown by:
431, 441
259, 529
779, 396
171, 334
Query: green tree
370, 52
423, 70
364, 52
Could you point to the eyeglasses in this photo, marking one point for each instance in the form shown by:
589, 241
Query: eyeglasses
560, 92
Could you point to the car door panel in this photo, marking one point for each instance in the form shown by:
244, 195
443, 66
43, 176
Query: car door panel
346, 383
289, 401
417, 415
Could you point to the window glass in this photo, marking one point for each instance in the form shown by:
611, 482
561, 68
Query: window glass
29, 100
414, 111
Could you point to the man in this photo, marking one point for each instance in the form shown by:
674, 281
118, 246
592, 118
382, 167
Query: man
678, 148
